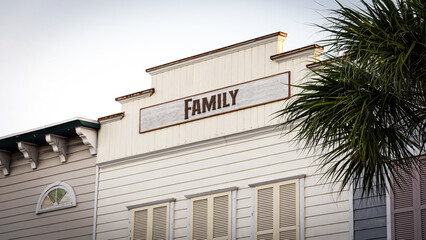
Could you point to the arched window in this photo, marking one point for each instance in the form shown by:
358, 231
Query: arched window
58, 195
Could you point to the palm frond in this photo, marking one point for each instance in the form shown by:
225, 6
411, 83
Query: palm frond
366, 111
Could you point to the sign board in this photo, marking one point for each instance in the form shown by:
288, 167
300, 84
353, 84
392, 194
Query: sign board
212, 103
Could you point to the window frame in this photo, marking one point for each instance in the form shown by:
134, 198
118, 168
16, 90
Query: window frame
210, 215
299, 181
150, 216
48, 189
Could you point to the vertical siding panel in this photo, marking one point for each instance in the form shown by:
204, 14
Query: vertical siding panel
174, 84
255, 62
167, 86
241, 66
228, 69
183, 83
226, 122
103, 149
268, 62
247, 76
241, 72
235, 67
198, 75
130, 128
114, 131
222, 77
158, 88
247, 65
261, 116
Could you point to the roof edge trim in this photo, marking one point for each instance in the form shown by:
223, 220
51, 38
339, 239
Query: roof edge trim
276, 34
145, 92
280, 56
84, 121
112, 117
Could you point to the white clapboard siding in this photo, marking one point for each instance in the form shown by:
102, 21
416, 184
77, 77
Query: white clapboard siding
228, 69
238, 162
19, 193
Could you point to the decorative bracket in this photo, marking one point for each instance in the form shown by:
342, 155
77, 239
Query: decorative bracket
30, 152
59, 145
5, 162
89, 137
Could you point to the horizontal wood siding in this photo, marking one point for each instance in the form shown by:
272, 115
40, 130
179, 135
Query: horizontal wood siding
369, 216
19, 193
237, 162
122, 139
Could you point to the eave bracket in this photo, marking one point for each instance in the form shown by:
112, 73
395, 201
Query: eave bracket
5, 162
30, 152
89, 137
59, 145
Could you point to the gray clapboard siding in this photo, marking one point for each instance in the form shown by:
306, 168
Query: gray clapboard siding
19, 193
30, 209
369, 216
62, 234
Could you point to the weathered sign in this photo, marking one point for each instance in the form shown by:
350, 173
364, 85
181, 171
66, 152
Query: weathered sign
212, 103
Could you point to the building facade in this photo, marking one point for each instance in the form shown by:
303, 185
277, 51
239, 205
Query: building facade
47, 185
200, 155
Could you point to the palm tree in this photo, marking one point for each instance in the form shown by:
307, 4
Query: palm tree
366, 111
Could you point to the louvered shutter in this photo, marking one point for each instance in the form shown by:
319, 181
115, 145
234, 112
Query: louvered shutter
199, 219
409, 207
221, 216
151, 222
423, 202
140, 225
277, 211
211, 217
403, 209
288, 211
265, 213
159, 226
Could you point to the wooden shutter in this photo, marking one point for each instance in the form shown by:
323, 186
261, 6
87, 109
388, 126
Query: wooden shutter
220, 216
409, 207
200, 219
277, 211
288, 211
403, 208
160, 223
211, 217
265, 213
151, 222
140, 224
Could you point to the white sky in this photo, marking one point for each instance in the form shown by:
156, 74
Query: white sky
61, 59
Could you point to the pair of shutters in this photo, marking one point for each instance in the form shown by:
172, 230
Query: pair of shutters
409, 208
277, 211
211, 217
151, 222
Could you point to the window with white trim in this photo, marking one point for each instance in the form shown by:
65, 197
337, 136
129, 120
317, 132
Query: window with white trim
211, 217
276, 213
56, 196
151, 222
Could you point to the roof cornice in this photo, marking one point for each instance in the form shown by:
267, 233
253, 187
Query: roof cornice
217, 52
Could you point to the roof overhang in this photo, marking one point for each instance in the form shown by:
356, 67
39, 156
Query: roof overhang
37, 136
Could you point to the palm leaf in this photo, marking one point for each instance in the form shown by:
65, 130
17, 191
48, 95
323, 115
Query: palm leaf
366, 111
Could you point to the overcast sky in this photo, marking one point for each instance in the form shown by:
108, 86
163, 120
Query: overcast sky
61, 59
